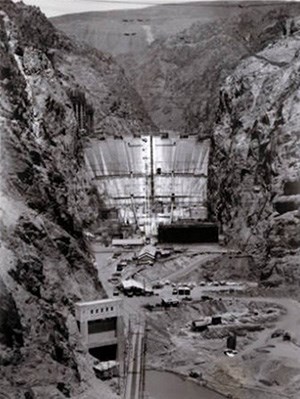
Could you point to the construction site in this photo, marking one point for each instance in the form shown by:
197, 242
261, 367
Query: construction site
150, 201
190, 305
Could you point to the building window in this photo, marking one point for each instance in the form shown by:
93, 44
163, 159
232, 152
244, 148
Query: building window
92, 311
106, 309
112, 308
101, 310
100, 326
97, 310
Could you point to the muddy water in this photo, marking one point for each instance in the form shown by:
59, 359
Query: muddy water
164, 385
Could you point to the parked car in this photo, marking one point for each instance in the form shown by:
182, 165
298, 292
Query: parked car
116, 292
169, 302
148, 292
187, 298
114, 280
119, 267
157, 285
174, 291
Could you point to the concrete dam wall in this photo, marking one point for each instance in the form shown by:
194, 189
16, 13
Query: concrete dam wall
151, 180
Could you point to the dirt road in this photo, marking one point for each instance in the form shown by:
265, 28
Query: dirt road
200, 259
288, 322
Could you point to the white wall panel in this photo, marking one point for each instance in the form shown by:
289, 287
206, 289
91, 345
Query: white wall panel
123, 167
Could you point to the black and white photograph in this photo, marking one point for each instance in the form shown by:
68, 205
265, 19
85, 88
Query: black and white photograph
149, 199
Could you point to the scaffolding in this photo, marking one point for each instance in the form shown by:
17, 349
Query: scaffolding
136, 174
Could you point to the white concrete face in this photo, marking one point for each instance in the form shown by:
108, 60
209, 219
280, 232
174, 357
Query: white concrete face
86, 312
122, 169
98, 310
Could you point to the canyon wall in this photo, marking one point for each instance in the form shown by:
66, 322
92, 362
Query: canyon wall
255, 159
55, 94
178, 56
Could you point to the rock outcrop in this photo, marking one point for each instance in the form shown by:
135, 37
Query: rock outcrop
54, 95
255, 161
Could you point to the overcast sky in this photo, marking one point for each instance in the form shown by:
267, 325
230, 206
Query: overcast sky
59, 7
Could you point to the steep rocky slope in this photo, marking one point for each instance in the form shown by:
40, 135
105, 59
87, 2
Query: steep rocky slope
54, 94
190, 50
179, 77
255, 161
132, 31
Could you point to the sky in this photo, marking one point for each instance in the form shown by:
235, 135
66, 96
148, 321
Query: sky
59, 7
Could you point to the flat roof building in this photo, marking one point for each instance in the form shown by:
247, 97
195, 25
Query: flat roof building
127, 242
99, 323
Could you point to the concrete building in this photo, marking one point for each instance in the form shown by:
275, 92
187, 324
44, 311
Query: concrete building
100, 324
128, 242
188, 232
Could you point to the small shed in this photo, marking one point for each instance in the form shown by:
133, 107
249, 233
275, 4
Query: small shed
215, 320
200, 325
147, 255
184, 290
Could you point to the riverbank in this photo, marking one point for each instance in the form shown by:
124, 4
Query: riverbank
169, 384
267, 365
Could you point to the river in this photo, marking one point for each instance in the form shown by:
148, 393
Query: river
166, 385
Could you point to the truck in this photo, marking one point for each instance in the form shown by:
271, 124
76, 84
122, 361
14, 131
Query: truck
167, 302
184, 291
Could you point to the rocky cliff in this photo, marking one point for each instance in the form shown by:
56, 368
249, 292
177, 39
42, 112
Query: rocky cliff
54, 95
255, 158
178, 56
179, 77
132, 31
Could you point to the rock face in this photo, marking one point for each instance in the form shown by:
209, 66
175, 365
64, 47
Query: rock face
255, 161
132, 31
179, 77
54, 95
179, 73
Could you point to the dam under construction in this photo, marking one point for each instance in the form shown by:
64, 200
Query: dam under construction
166, 258
169, 269
150, 201
151, 180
